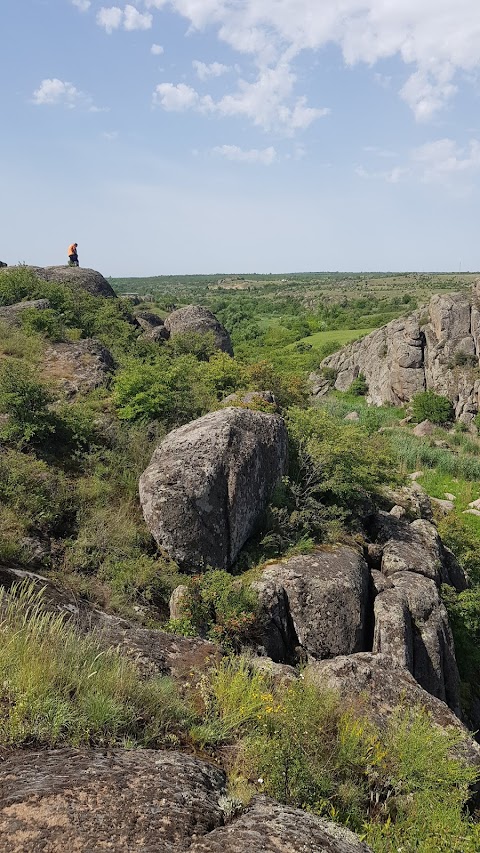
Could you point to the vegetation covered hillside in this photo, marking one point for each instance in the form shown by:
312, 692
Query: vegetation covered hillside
246, 682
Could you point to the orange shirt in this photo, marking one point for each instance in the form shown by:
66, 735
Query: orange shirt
72, 250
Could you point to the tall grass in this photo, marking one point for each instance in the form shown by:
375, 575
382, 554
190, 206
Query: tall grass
59, 687
414, 453
401, 786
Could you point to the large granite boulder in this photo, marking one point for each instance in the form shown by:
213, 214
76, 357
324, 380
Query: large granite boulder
151, 801
436, 348
194, 318
78, 277
78, 366
119, 801
411, 626
209, 482
270, 827
318, 601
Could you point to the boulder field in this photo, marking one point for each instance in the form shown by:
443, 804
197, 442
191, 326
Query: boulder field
435, 348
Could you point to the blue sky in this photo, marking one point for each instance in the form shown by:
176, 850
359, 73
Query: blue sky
182, 136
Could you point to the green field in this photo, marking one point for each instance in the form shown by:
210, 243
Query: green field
343, 336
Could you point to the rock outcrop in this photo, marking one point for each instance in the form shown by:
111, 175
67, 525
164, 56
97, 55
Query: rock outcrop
434, 349
84, 279
381, 686
145, 800
209, 482
194, 318
270, 827
12, 314
332, 604
318, 601
153, 652
122, 800
79, 366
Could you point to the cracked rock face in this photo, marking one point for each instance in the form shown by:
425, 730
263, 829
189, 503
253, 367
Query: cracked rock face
437, 349
209, 482
319, 602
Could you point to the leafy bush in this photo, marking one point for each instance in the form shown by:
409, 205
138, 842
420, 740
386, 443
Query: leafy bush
172, 391
432, 407
330, 373
219, 607
16, 284
25, 401
58, 687
402, 787
359, 386
463, 359
38, 494
202, 346
350, 462
46, 322
139, 580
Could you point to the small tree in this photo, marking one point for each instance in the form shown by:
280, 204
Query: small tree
428, 406
359, 386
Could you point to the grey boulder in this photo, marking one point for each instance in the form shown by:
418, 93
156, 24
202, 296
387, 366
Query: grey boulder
194, 318
78, 365
209, 482
82, 278
270, 827
317, 601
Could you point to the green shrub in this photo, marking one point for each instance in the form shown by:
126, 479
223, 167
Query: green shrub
139, 580
46, 322
58, 687
26, 403
463, 359
219, 607
432, 407
17, 283
202, 346
38, 494
359, 386
330, 373
349, 462
172, 391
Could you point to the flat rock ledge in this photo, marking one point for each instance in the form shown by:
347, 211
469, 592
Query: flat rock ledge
144, 800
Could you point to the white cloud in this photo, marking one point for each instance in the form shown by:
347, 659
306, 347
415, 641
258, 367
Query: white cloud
444, 162
176, 98
135, 20
157, 49
110, 136
82, 5
214, 69
268, 101
265, 156
437, 39
55, 92
112, 18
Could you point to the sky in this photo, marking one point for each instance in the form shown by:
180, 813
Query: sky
205, 136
